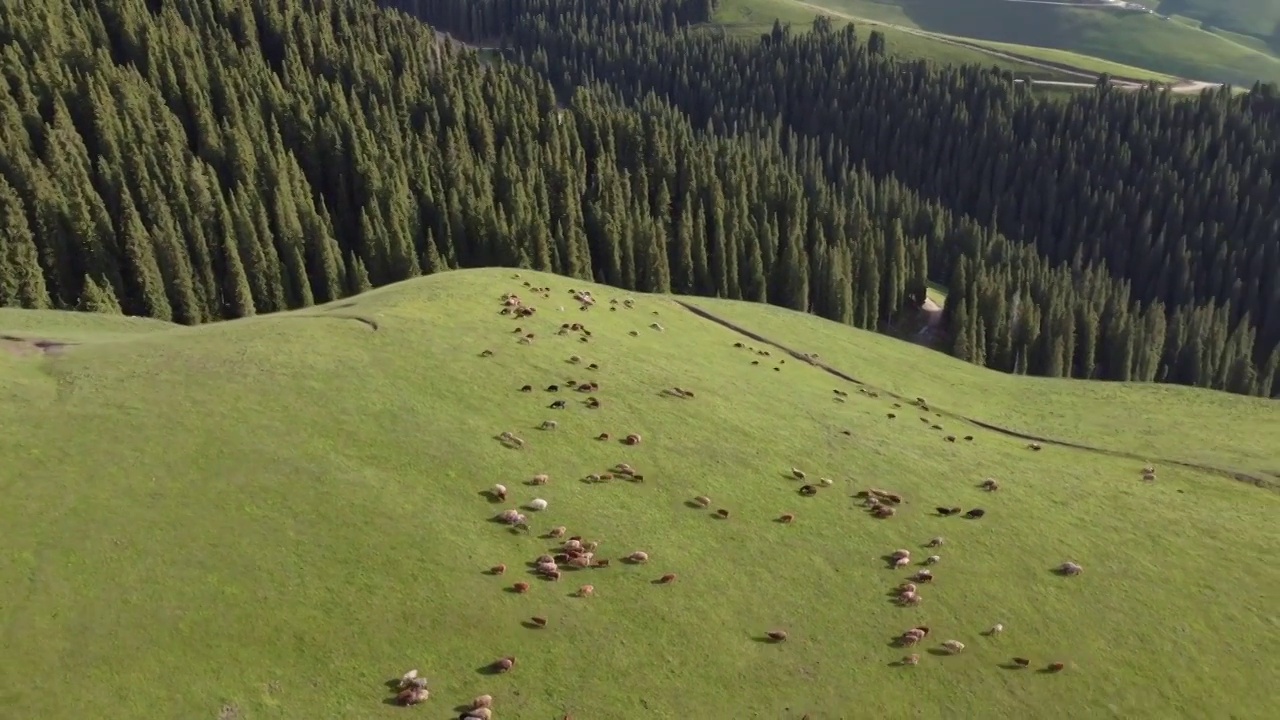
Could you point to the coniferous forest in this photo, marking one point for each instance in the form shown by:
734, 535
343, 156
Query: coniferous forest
213, 159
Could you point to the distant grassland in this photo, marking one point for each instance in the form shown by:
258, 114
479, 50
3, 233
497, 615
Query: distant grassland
1114, 39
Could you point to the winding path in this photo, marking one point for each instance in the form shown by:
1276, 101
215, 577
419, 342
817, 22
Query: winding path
1182, 86
1233, 474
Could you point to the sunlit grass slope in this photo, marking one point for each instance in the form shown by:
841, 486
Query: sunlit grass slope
271, 517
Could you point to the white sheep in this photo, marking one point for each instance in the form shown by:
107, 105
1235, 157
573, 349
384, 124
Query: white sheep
540, 479
955, 647
1070, 568
932, 560
996, 629
826, 482
901, 562
499, 491
537, 505
549, 425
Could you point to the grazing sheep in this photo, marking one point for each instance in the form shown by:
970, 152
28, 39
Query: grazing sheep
893, 416
908, 639
538, 620
657, 326
544, 559
497, 569
955, 647
602, 436
826, 482
638, 556
722, 514
537, 505
975, 513
498, 492
901, 562
808, 490
486, 353
575, 359
1149, 477
702, 501
582, 561
996, 629
552, 575
504, 664
544, 568
911, 660
909, 598
602, 563
549, 425
883, 512
787, 518
633, 333
557, 405
899, 554
540, 479
797, 474
1056, 667
557, 532
509, 516
592, 403
1149, 470
572, 544
553, 388
668, 578
935, 542
946, 511
482, 702
526, 341
1021, 662
1034, 446
632, 439
924, 576
1070, 568
412, 696
950, 438
906, 587
527, 388
407, 679
593, 366
521, 587
777, 635
968, 438
586, 591
922, 629
932, 560
990, 485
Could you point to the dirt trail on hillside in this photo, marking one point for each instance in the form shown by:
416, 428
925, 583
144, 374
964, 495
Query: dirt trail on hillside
1182, 86
1261, 482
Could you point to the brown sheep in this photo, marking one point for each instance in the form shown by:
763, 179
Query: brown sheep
540, 479
990, 485
1056, 667
504, 664
552, 575
412, 696
602, 436
593, 366
486, 353
632, 439
521, 587
883, 512
586, 591
544, 559
602, 563
912, 659
557, 532
722, 514
777, 635
787, 518
668, 578
497, 569
907, 587
808, 490
527, 388
482, 701
702, 501
538, 620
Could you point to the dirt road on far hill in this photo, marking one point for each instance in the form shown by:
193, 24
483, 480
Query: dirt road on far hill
1182, 86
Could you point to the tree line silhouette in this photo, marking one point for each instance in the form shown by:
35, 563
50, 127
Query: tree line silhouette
209, 160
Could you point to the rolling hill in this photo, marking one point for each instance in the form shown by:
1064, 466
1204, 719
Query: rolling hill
274, 516
1098, 38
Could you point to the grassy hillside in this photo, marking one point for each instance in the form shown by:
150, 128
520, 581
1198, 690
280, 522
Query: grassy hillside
1133, 39
271, 517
